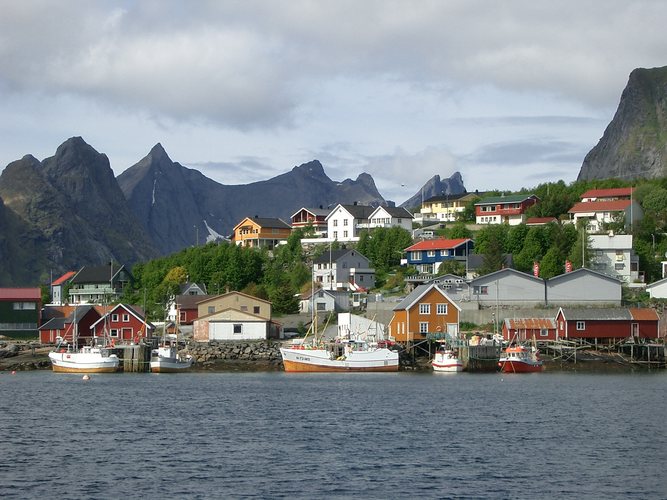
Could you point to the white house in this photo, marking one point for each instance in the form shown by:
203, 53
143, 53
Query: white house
389, 217
325, 301
598, 213
613, 255
657, 289
345, 268
345, 222
232, 324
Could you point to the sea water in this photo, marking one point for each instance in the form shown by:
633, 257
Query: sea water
304, 435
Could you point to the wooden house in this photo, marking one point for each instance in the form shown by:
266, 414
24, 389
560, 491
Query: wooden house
99, 284
261, 232
234, 324
510, 209
527, 329
58, 297
68, 322
428, 255
20, 311
345, 222
315, 218
123, 323
325, 301
235, 300
599, 213
426, 312
343, 269
508, 287
389, 217
584, 287
445, 207
607, 325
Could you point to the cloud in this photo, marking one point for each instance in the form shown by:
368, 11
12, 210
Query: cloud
251, 64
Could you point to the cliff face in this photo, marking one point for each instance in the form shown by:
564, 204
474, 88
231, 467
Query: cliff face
73, 209
178, 206
434, 187
634, 144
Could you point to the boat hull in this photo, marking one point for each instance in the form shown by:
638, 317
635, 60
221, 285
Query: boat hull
319, 360
170, 366
165, 359
83, 363
449, 367
519, 367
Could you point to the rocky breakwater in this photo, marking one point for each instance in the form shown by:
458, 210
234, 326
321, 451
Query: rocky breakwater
237, 355
23, 356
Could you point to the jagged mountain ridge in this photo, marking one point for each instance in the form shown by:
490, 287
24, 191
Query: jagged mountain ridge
74, 209
177, 205
634, 144
434, 187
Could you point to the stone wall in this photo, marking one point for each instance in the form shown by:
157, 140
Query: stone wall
259, 355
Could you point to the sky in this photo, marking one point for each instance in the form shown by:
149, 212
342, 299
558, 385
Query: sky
510, 94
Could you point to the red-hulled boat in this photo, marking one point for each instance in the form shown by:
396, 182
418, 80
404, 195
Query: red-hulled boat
520, 359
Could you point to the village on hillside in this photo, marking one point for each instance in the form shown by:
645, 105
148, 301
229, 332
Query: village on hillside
581, 307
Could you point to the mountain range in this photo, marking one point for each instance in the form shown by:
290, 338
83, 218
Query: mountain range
69, 210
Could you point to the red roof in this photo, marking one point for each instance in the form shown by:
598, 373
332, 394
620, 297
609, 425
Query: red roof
437, 244
20, 294
540, 220
600, 206
608, 193
64, 278
644, 314
531, 323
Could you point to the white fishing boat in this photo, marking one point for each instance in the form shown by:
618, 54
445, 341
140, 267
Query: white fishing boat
447, 360
70, 358
354, 353
87, 359
167, 359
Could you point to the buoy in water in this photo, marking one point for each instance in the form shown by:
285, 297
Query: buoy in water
86, 377
13, 372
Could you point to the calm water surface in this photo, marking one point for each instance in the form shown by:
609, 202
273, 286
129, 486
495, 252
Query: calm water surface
277, 435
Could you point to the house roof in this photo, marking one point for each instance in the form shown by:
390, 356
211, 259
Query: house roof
437, 244
215, 297
134, 311
190, 284
397, 212
416, 294
600, 206
335, 255
656, 283
97, 274
64, 278
20, 294
511, 198
608, 193
584, 270
318, 212
234, 315
506, 270
644, 314
266, 222
530, 323
591, 314
191, 301
538, 221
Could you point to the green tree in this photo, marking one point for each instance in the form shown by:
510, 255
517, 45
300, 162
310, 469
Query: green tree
552, 264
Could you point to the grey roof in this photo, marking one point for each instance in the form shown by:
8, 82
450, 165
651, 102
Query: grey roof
191, 301
359, 211
271, 222
398, 212
96, 274
54, 324
583, 314
411, 297
335, 255
584, 270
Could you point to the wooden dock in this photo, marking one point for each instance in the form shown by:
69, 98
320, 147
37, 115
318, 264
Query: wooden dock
134, 358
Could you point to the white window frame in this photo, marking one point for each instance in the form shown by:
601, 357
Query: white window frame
423, 327
441, 309
425, 308
581, 325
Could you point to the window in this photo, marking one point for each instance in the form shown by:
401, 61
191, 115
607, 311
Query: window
244, 308
211, 309
424, 308
361, 278
126, 318
443, 253
344, 222
335, 235
430, 253
255, 309
544, 332
182, 317
581, 325
321, 306
114, 318
113, 332
416, 255
619, 255
423, 327
335, 222
619, 267
441, 308
238, 328
480, 290
344, 234
24, 306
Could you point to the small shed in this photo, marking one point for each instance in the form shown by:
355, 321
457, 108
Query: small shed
525, 329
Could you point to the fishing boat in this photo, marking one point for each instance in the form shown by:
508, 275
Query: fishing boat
447, 360
347, 352
70, 358
167, 359
520, 359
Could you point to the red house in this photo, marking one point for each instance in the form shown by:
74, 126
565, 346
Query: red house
123, 323
315, 217
77, 319
186, 307
525, 329
510, 209
607, 325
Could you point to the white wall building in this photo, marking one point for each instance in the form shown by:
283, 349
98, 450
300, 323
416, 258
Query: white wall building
613, 255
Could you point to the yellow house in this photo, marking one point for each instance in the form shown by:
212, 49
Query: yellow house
235, 301
261, 232
446, 207
427, 312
